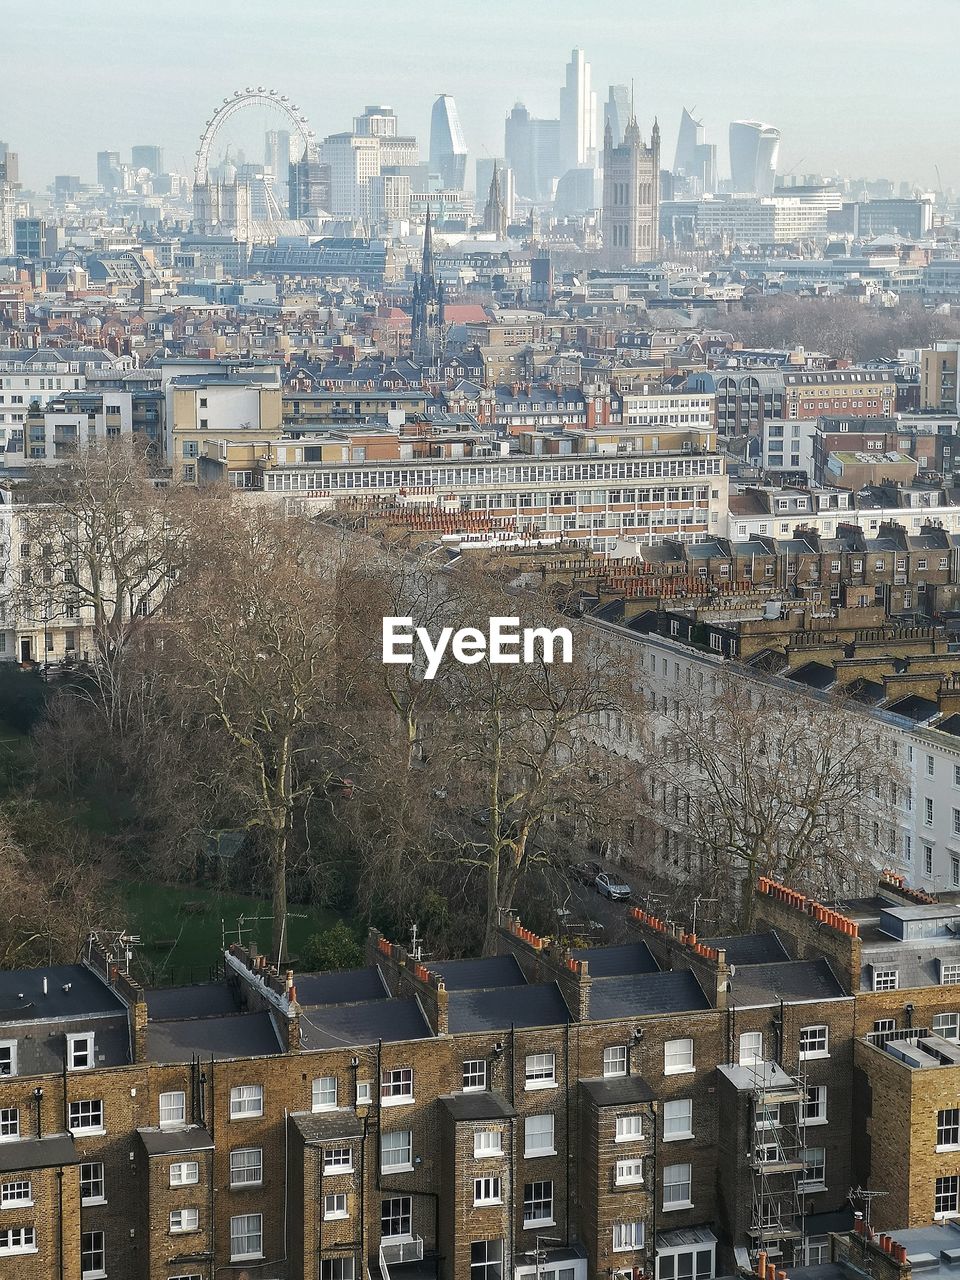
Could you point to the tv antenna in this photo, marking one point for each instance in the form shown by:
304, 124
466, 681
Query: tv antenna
867, 1196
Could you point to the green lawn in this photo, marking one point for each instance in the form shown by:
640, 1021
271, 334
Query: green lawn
182, 928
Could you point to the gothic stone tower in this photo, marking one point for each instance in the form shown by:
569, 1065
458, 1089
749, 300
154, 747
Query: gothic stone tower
426, 327
631, 197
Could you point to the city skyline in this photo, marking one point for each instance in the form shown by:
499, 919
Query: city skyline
803, 85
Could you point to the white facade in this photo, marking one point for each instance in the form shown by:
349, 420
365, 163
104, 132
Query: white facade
767, 219
353, 159
693, 409
97, 418
825, 509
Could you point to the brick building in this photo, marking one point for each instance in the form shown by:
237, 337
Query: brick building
646, 1108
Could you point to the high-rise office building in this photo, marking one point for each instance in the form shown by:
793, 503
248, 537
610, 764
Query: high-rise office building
578, 115
353, 160
532, 150
108, 169
376, 122
616, 112
9, 182
448, 151
147, 157
631, 197
754, 151
309, 188
695, 159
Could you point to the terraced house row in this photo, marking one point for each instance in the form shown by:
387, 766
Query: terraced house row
671, 1107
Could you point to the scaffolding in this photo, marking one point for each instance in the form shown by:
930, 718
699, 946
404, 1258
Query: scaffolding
778, 1120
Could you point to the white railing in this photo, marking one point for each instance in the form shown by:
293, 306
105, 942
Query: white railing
393, 1252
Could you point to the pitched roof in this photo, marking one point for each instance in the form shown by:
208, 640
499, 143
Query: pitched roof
534, 1005
237, 1035
639, 994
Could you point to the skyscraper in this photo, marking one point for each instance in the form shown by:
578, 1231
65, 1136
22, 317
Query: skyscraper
108, 169
448, 151
532, 151
616, 111
147, 157
695, 159
631, 197
754, 151
578, 115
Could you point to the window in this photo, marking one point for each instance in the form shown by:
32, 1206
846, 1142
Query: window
246, 1236
615, 1060
686, 1263
946, 1197
486, 1260
14, 1195
337, 1160
80, 1052
677, 1119
955, 871
927, 812
628, 1173
768, 1117
676, 1186
814, 1042
817, 1251
8, 1057
474, 1074
396, 1085
337, 1269
246, 1100
487, 1142
93, 1257
815, 1107
677, 1057
927, 860
86, 1116
323, 1094
538, 1135
9, 1123
627, 1235
814, 1167
948, 1128
751, 1048
364, 1093
629, 1128
949, 974
92, 1188
246, 1166
334, 1206
886, 979
540, 1070
18, 1240
396, 1216
173, 1108
486, 1191
930, 766
184, 1173
184, 1220
538, 1204
947, 1025
396, 1150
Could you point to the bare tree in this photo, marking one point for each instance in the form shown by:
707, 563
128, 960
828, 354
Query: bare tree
753, 780
250, 648
104, 545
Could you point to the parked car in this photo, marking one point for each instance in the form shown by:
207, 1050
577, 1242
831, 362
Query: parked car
587, 872
611, 887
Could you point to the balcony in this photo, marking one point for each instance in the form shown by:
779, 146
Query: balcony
398, 1251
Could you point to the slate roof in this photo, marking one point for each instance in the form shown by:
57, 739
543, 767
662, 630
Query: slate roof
762, 984
236, 1035
22, 998
169, 1142
618, 1092
201, 1000
816, 675
750, 948
336, 1026
534, 1005
606, 962
482, 1105
325, 1126
347, 986
636, 995
38, 1153
470, 975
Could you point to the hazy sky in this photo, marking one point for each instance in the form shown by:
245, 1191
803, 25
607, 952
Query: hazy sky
863, 87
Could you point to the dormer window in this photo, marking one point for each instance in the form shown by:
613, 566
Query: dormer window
80, 1052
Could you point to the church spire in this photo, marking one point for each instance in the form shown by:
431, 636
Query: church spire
426, 266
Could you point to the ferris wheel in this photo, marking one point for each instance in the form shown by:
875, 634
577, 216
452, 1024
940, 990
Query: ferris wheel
250, 97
